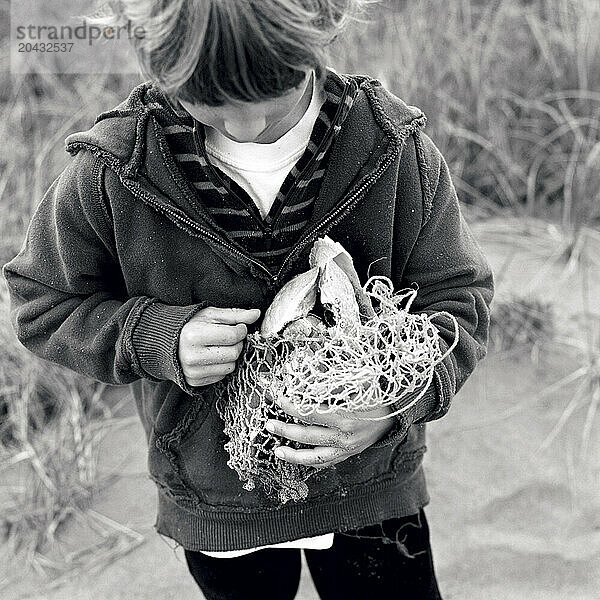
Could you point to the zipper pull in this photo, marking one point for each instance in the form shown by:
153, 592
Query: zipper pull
268, 237
272, 284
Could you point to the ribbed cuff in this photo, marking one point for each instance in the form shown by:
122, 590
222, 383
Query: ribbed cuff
156, 338
433, 405
425, 406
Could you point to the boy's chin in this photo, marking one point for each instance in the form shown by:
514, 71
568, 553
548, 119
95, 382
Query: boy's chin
244, 132
267, 136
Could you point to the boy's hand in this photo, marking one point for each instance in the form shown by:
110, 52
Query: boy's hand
211, 341
336, 435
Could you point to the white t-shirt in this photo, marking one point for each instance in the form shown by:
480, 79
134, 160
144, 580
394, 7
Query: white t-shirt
260, 169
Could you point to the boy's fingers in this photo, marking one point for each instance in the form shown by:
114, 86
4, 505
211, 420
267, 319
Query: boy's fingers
209, 355
212, 355
200, 376
203, 333
330, 419
229, 316
198, 382
322, 456
307, 434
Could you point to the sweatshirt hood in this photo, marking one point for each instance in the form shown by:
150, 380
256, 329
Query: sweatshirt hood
118, 135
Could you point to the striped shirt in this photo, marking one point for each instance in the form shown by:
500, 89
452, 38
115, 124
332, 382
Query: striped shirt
270, 239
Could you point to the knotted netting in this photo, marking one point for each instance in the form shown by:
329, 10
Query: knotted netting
356, 364
245, 403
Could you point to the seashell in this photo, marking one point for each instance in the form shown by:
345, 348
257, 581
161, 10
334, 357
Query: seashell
316, 323
309, 326
337, 294
325, 249
345, 262
293, 301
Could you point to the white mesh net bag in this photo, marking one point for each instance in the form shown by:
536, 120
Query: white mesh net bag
326, 343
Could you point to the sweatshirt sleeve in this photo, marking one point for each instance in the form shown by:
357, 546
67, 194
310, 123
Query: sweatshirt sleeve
68, 298
451, 273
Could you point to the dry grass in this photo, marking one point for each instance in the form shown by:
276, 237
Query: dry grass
586, 397
52, 421
554, 313
510, 89
520, 323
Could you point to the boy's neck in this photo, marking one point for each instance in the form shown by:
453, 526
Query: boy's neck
272, 134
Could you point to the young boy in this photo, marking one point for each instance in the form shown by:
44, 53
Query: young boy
182, 213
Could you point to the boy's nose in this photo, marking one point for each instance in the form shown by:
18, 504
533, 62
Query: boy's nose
245, 130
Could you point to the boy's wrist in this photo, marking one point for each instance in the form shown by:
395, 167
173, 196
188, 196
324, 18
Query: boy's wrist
155, 341
427, 405
433, 404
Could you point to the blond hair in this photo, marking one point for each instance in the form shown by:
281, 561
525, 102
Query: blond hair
215, 51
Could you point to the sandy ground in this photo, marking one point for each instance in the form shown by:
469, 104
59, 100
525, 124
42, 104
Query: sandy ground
509, 518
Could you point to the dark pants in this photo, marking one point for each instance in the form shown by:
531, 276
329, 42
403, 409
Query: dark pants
391, 561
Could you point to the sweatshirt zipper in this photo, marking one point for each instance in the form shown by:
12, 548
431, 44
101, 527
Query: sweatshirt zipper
177, 217
306, 238
308, 169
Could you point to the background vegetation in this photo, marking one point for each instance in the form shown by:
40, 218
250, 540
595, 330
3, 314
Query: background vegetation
511, 91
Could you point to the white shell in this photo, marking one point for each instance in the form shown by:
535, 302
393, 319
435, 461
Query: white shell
324, 250
308, 326
293, 301
337, 293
